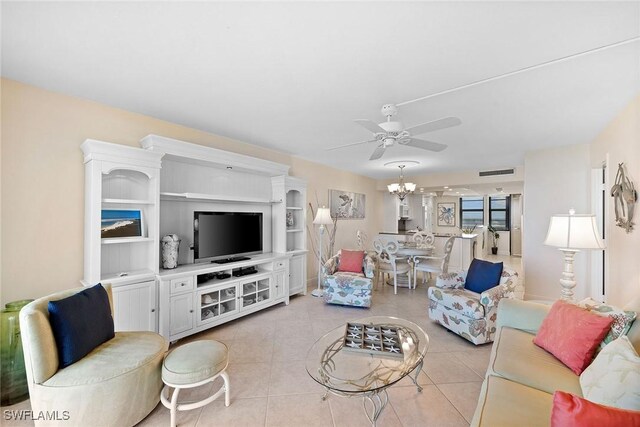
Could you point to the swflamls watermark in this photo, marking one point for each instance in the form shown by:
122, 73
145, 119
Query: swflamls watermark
29, 415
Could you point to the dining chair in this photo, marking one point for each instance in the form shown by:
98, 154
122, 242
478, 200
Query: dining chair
422, 239
433, 264
390, 263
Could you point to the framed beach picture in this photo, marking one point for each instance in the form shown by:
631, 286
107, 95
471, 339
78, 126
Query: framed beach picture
346, 204
121, 223
446, 214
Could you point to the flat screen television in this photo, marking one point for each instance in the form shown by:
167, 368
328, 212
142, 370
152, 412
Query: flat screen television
226, 236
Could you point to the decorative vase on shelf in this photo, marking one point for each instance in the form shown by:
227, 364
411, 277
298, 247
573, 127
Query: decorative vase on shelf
13, 376
170, 247
289, 219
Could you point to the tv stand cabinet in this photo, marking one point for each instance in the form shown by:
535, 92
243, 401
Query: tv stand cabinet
167, 180
193, 300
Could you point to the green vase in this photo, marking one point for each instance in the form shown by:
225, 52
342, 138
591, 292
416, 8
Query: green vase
13, 376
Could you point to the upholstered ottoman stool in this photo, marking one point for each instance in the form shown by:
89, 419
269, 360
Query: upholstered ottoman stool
193, 365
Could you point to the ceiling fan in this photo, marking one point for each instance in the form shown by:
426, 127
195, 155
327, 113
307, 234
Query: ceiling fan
388, 133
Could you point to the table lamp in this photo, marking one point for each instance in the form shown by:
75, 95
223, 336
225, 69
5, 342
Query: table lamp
570, 233
323, 217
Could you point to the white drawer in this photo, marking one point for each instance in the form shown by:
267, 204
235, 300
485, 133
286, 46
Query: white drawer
181, 285
278, 265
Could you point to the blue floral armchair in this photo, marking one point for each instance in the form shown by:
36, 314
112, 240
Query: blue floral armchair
353, 289
469, 314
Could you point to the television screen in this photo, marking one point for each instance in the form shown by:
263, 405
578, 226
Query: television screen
219, 235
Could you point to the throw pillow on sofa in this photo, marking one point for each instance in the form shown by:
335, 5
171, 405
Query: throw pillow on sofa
622, 320
613, 378
574, 411
80, 323
351, 261
483, 275
572, 334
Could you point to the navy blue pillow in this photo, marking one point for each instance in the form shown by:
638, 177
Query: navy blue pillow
80, 323
483, 275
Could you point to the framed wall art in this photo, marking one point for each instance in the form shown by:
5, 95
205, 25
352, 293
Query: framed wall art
446, 214
121, 223
346, 204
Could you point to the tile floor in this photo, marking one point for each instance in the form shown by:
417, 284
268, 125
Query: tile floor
270, 385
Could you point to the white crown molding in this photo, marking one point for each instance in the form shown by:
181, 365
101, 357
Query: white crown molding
199, 154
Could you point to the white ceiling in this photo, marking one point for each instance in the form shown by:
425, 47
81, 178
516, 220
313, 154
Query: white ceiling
292, 76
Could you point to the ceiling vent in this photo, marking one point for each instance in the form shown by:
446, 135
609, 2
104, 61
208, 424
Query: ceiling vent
498, 172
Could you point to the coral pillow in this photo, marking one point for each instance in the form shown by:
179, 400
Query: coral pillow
571, 410
572, 334
351, 261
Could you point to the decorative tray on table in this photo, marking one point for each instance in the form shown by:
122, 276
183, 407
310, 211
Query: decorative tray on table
378, 340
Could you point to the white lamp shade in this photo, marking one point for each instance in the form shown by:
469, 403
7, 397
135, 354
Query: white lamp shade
574, 232
410, 186
393, 187
323, 216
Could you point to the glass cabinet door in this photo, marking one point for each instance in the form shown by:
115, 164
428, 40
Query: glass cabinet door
216, 303
255, 292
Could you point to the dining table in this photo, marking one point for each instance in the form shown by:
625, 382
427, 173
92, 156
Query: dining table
409, 250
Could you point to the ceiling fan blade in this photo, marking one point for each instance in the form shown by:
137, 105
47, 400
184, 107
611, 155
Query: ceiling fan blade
378, 152
425, 145
447, 122
349, 145
370, 126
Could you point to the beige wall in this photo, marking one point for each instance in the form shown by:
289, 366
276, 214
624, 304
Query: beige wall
621, 142
555, 181
320, 180
42, 179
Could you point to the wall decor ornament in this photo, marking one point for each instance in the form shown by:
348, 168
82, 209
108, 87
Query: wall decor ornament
446, 214
290, 222
346, 204
625, 197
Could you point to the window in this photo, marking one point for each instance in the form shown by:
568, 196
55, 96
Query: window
499, 212
471, 211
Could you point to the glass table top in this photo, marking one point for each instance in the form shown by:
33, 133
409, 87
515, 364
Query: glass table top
344, 371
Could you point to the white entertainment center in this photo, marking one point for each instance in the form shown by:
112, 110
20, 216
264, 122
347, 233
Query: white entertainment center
168, 180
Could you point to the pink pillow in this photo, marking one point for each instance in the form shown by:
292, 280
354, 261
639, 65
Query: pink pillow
572, 334
351, 261
574, 411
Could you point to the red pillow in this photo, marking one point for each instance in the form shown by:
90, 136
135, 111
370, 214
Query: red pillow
570, 410
351, 261
572, 334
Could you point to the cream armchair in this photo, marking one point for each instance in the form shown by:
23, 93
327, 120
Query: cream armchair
469, 314
117, 384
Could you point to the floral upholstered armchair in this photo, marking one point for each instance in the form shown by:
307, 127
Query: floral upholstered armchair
467, 313
348, 288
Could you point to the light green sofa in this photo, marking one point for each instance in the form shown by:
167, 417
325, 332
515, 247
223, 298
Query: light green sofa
117, 384
521, 378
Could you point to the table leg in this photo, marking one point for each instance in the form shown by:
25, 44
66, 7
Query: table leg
415, 379
378, 401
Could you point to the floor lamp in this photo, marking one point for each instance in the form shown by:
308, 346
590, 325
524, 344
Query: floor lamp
570, 233
323, 217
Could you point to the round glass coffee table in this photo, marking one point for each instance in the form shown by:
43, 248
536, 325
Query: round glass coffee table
349, 373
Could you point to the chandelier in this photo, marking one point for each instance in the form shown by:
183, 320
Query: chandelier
401, 189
